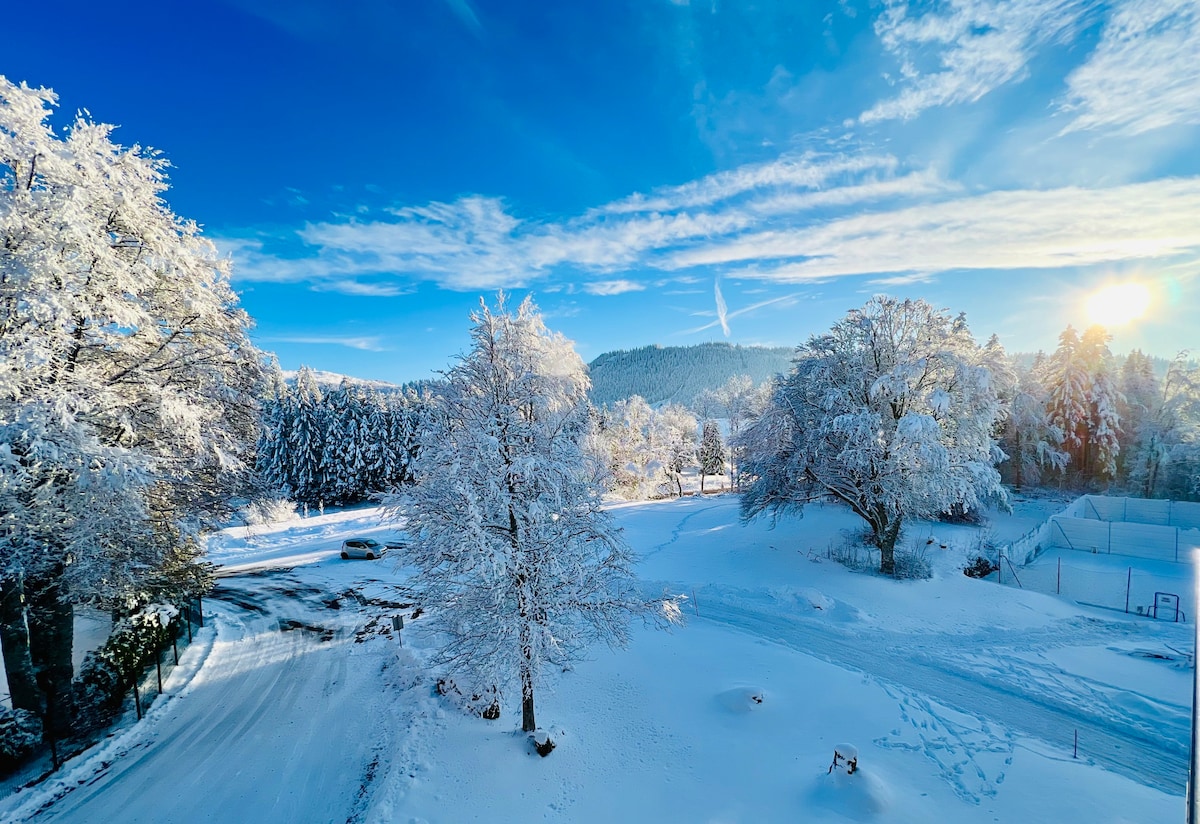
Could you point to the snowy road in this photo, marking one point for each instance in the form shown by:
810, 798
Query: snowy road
273, 660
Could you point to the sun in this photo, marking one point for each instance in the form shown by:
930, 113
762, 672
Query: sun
1118, 304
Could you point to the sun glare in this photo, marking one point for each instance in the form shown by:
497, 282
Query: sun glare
1118, 304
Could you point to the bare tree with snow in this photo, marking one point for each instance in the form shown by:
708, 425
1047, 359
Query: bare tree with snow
513, 553
891, 412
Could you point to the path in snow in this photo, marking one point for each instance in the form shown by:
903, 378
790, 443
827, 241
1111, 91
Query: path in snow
279, 725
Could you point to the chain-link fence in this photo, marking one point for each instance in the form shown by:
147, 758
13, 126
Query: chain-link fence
1162, 590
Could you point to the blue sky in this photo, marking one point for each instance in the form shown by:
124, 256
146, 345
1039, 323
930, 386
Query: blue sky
654, 171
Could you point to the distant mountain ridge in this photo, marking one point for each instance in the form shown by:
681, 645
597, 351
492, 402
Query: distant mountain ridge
677, 374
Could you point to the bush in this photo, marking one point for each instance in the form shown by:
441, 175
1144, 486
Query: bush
268, 511
913, 564
482, 703
979, 567
959, 514
99, 693
20, 736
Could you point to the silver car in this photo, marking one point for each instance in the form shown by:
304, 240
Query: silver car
367, 548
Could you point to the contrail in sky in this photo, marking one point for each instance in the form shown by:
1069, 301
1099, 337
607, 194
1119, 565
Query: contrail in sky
722, 311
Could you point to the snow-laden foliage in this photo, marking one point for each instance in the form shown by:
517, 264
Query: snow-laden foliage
1031, 442
645, 449
892, 411
128, 384
512, 551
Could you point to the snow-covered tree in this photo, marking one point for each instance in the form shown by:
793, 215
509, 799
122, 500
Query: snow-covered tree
712, 452
121, 344
1067, 377
1030, 441
672, 441
512, 551
306, 440
890, 412
1165, 458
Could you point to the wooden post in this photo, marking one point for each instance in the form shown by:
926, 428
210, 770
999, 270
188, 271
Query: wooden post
158, 667
1058, 582
1128, 583
137, 698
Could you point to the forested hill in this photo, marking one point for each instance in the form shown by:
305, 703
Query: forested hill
677, 374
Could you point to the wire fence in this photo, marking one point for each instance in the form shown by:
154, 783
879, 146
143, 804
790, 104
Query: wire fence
1161, 590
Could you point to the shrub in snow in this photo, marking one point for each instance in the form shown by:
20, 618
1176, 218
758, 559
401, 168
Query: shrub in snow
913, 564
20, 735
979, 567
99, 691
543, 743
845, 756
268, 511
482, 703
960, 513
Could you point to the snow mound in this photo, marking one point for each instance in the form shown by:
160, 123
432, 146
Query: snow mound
741, 700
858, 796
815, 599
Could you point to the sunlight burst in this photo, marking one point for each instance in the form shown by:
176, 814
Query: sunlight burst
1118, 304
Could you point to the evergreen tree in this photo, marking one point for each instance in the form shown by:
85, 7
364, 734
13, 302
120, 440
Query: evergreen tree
306, 440
712, 452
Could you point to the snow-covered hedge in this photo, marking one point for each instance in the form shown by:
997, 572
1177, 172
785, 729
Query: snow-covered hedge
107, 673
20, 735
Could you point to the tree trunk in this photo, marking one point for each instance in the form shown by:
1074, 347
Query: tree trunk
886, 539
51, 620
14, 640
702, 482
528, 722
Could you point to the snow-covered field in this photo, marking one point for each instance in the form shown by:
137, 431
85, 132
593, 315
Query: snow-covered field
963, 698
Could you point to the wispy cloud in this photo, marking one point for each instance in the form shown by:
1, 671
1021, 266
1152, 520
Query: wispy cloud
362, 343
999, 230
722, 309
811, 218
1145, 72
959, 51
612, 287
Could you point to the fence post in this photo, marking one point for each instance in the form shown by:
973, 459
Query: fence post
158, 666
175, 640
137, 697
200, 610
1128, 583
1058, 581
999, 566
1110, 537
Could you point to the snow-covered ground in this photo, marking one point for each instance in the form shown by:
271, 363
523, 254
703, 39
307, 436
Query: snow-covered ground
963, 698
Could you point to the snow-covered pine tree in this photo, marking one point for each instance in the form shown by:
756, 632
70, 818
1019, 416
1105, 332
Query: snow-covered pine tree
890, 412
1030, 441
712, 452
1068, 380
514, 555
306, 440
1105, 424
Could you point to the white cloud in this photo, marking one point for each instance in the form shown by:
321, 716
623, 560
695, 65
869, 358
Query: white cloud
360, 342
1145, 72
999, 230
840, 217
975, 46
612, 287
